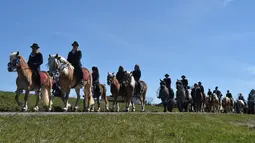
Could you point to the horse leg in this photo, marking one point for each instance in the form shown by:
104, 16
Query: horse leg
128, 101
36, 108
98, 104
142, 104
133, 106
67, 105
50, 100
76, 106
25, 108
164, 104
105, 101
18, 92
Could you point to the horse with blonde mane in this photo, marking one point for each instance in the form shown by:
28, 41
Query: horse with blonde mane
228, 104
64, 72
102, 93
25, 81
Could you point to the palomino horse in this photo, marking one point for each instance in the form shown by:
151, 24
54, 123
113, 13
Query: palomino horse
228, 104
215, 103
96, 96
141, 96
25, 81
67, 81
165, 97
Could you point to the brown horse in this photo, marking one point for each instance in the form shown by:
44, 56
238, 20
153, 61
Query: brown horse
68, 80
228, 104
25, 81
102, 93
115, 89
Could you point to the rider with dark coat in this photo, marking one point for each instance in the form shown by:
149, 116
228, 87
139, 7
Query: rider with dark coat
137, 75
35, 61
193, 91
74, 57
120, 75
201, 88
167, 80
209, 93
229, 95
240, 97
218, 93
95, 78
185, 82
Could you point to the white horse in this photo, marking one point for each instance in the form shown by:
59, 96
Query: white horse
64, 71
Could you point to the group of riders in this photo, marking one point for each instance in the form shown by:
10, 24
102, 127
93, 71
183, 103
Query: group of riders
198, 87
74, 58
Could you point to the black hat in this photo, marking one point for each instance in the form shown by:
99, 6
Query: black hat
199, 82
183, 76
75, 43
166, 75
35, 46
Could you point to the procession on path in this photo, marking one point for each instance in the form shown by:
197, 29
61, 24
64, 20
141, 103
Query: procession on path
66, 74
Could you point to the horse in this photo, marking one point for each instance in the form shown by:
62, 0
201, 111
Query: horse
216, 105
208, 104
188, 101
240, 106
166, 98
251, 102
228, 104
115, 89
25, 81
96, 95
180, 96
68, 80
198, 99
141, 96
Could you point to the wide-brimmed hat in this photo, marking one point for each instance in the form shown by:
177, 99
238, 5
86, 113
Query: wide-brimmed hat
35, 46
183, 76
166, 75
75, 43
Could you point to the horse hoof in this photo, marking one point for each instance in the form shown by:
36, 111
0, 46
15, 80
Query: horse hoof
65, 109
76, 108
36, 109
98, 110
133, 110
24, 109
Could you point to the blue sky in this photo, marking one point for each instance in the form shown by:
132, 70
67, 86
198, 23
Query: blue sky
207, 40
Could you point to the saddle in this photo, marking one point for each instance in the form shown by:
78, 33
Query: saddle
42, 75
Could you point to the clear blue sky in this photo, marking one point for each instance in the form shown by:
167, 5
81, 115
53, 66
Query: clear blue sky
208, 40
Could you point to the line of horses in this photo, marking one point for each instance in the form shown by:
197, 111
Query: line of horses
186, 101
67, 80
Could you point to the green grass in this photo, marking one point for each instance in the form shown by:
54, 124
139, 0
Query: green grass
8, 104
128, 128
159, 128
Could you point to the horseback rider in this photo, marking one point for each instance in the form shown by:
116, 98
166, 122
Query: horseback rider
229, 95
120, 75
167, 80
240, 97
210, 94
218, 93
95, 79
74, 57
34, 62
185, 83
137, 75
201, 89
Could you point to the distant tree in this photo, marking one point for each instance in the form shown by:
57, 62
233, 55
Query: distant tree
149, 100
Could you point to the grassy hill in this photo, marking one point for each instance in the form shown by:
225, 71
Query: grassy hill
125, 127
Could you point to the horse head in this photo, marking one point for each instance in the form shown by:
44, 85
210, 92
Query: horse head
58, 63
110, 78
129, 79
14, 62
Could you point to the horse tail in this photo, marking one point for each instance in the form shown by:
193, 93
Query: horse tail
47, 90
104, 93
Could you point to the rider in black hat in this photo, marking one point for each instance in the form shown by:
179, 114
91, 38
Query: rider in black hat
34, 62
95, 76
74, 57
137, 75
167, 80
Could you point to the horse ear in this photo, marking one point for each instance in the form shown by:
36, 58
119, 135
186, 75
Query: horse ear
17, 54
56, 56
49, 56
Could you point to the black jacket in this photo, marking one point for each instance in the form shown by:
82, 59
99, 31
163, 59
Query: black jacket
120, 76
35, 60
202, 89
229, 95
137, 74
75, 58
168, 82
185, 82
209, 93
218, 93
95, 77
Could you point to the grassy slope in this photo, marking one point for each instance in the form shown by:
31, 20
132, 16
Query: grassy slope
123, 127
128, 128
8, 103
